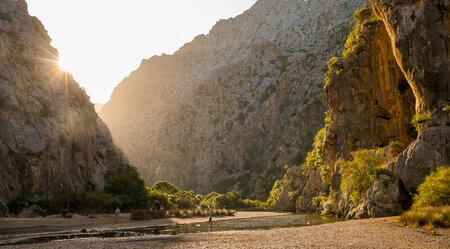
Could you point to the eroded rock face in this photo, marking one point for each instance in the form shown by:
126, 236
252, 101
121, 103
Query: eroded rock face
370, 102
298, 188
399, 67
423, 156
228, 109
51, 139
380, 200
420, 35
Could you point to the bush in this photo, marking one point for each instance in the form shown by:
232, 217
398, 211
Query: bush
100, 202
335, 65
157, 199
314, 160
362, 14
363, 18
125, 181
419, 119
186, 200
65, 202
359, 174
435, 190
166, 187
427, 216
145, 214
16, 205
228, 200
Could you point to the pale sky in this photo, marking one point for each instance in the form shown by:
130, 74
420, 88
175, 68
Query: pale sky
101, 41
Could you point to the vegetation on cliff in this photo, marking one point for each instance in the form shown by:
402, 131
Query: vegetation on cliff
359, 174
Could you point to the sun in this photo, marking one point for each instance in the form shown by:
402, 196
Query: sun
64, 64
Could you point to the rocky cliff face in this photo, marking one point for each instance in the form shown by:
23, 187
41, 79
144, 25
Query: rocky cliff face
395, 72
389, 89
420, 36
228, 109
51, 139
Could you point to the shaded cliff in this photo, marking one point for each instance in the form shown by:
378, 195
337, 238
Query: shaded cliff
51, 139
389, 90
227, 110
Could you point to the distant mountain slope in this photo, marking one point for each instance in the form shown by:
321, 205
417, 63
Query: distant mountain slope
51, 139
229, 109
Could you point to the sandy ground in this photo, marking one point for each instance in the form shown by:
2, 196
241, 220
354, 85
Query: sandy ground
371, 233
20, 226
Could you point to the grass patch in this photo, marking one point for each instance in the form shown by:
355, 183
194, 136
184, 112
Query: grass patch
429, 217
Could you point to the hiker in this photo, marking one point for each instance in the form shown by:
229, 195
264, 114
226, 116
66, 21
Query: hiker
117, 212
210, 214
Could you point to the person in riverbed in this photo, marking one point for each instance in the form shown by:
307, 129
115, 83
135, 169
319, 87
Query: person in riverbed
117, 212
210, 214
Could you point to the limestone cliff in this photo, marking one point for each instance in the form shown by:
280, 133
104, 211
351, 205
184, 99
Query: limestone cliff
390, 89
51, 139
230, 108
396, 74
420, 38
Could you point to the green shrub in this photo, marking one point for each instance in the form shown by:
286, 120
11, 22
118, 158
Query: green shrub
314, 160
446, 108
66, 201
209, 200
158, 198
363, 18
101, 202
186, 200
427, 216
126, 181
277, 188
228, 200
319, 200
17, 205
5, 17
335, 65
146, 214
419, 119
362, 14
359, 174
166, 187
435, 190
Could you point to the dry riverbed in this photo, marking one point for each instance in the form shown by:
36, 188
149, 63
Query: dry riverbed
372, 233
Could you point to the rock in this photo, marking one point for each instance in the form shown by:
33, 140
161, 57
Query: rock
51, 139
423, 156
229, 108
381, 200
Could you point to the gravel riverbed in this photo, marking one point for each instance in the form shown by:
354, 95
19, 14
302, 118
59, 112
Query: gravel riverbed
371, 233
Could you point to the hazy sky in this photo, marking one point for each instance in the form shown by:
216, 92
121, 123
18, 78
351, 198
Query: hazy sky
102, 41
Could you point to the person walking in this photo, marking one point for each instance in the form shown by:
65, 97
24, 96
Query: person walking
117, 212
210, 214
